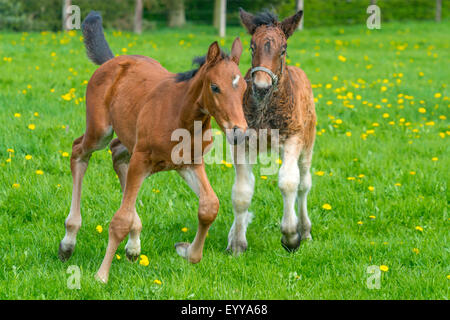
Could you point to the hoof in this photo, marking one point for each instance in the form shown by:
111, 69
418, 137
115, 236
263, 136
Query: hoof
292, 244
237, 247
100, 279
307, 238
132, 254
65, 251
182, 249
132, 257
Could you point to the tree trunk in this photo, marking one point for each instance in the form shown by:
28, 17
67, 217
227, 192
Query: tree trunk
216, 18
66, 4
177, 16
223, 18
300, 6
438, 10
138, 17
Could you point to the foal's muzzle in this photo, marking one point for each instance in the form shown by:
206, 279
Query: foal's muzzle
263, 82
235, 135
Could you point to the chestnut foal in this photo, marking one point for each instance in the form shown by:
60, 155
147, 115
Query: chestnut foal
143, 103
278, 97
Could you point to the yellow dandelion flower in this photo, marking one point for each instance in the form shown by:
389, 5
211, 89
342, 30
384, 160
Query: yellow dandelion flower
412, 173
28, 157
422, 110
264, 177
419, 228
385, 115
67, 96
434, 159
99, 228
65, 154
437, 95
398, 184
118, 257
184, 229
144, 260
415, 250
16, 185
319, 173
371, 188
31, 126
279, 161
384, 268
17, 115
360, 222
342, 58
124, 50
158, 282
372, 217
348, 134
326, 206
39, 172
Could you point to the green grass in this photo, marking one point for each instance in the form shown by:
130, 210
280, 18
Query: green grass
333, 266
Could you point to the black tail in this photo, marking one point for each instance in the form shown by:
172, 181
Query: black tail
97, 48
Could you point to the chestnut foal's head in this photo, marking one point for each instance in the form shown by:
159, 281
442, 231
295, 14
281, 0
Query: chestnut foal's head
268, 47
223, 90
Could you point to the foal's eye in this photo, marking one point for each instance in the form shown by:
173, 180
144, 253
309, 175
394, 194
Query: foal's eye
283, 52
215, 88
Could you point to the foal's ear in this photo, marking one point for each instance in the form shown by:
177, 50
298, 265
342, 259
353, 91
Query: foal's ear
289, 25
247, 20
213, 53
236, 50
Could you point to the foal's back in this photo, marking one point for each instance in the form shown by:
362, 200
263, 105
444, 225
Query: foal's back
122, 87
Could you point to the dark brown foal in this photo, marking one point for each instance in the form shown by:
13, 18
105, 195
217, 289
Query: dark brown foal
278, 97
143, 103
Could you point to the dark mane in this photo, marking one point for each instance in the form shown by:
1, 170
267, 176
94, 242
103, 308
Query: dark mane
266, 18
200, 61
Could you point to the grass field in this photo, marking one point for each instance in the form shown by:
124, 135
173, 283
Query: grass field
380, 163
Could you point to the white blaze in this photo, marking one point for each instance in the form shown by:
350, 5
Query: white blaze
235, 81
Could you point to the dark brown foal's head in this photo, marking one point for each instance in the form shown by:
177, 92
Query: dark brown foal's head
223, 89
268, 47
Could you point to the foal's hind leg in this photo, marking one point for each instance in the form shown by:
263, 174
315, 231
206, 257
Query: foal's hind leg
95, 138
121, 159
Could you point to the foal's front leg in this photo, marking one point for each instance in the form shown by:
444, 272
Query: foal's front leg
124, 219
196, 178
288, 182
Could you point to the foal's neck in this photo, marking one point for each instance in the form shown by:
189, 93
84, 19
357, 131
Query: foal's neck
191, 106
